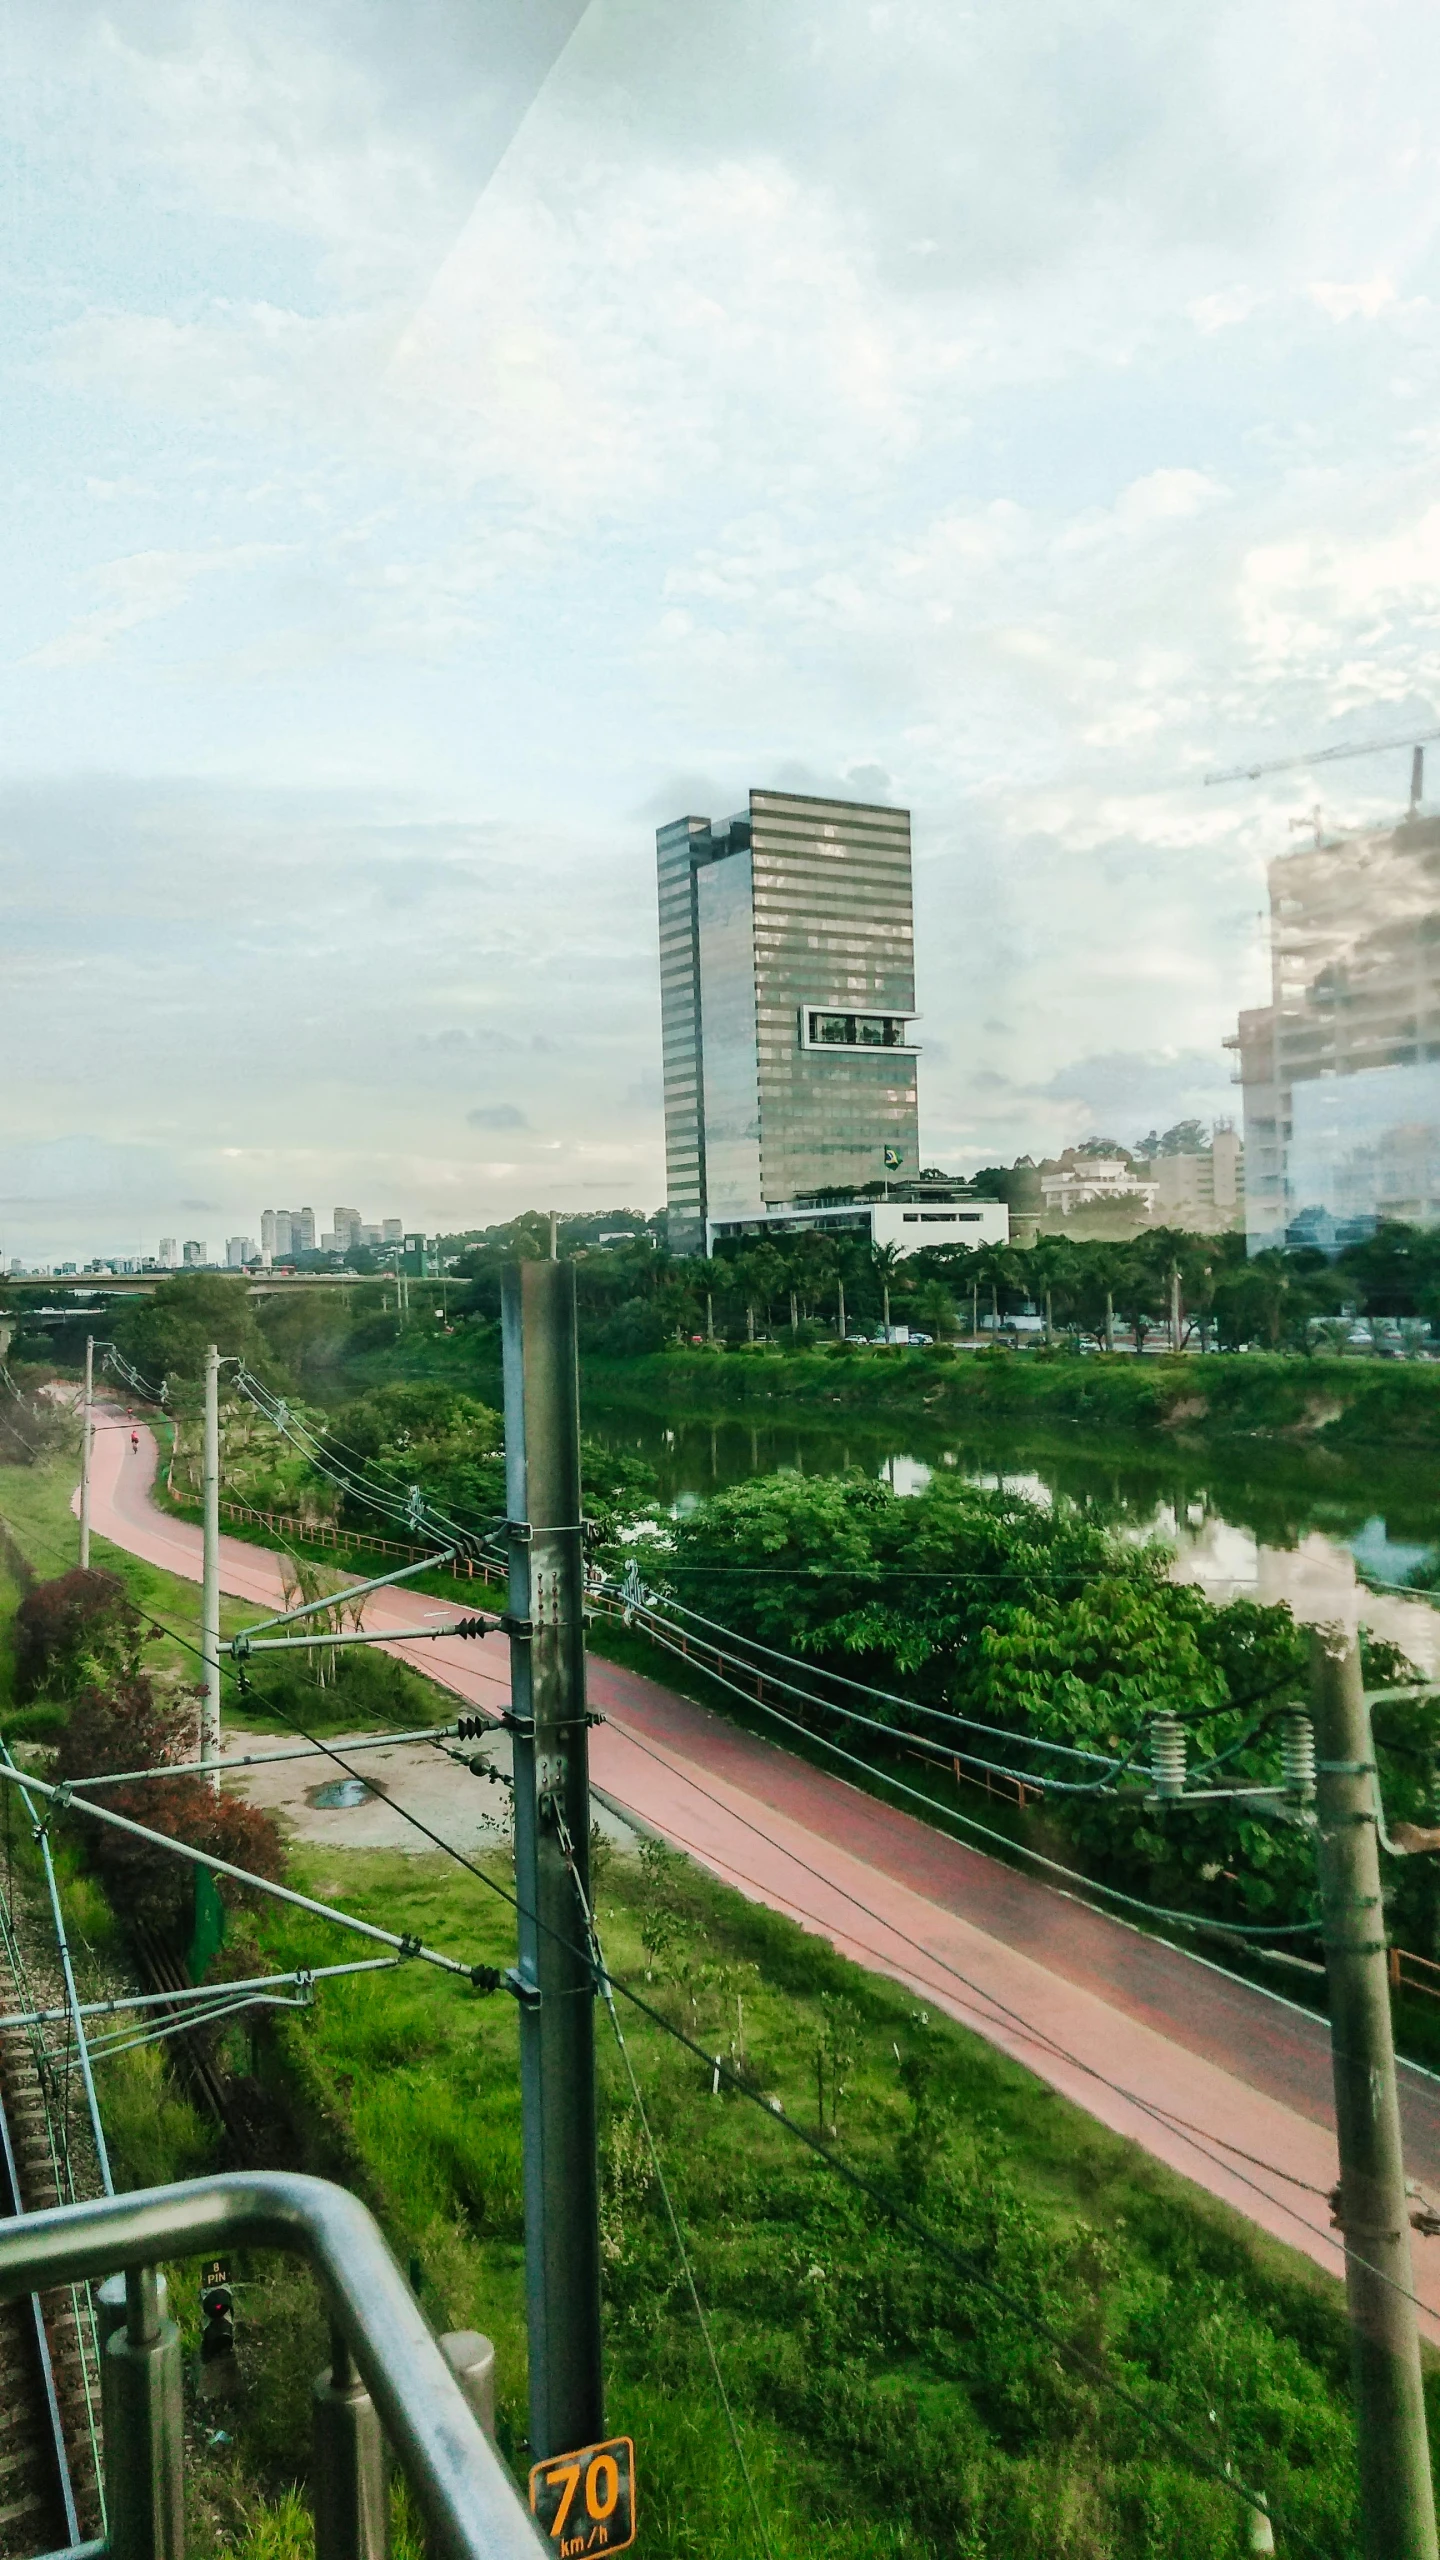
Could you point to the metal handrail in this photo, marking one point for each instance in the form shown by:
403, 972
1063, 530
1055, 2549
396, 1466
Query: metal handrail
468, 2496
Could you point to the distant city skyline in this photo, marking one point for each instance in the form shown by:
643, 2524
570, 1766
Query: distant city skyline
440, 456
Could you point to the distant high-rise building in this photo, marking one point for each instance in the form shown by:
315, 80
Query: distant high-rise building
787, 992
169, 1253
267, 1231
238, 1251
284, 1245
302, 1230
196, 1256
392, 1230
1341, 1070
347, 1221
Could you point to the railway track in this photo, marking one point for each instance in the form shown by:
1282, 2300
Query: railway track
49, 2378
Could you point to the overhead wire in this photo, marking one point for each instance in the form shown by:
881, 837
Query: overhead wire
898, 2212
601, 1973
654, 1604
1200, 1923
1018, 1848
1001, 2009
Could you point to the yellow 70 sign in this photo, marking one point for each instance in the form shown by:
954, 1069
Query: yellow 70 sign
586, 2500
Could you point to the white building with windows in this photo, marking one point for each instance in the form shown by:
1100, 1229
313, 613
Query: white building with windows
910, 1227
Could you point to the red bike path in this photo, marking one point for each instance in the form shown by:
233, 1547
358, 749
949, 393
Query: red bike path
1227, 2084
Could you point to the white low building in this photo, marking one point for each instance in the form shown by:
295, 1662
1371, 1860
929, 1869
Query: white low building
911, 1226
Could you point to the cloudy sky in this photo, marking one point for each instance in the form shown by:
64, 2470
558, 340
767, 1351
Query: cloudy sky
444, 441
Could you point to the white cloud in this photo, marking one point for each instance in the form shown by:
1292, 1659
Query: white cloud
140, 589
1354, 301
789, 395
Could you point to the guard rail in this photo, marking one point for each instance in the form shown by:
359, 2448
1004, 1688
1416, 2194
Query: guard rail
387, 2370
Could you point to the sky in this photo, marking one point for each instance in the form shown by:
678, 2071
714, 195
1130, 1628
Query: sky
443, 443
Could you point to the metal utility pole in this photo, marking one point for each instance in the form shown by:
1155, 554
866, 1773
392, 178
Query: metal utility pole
210, 1586
1174, 1306
554, 1979
85, 1440
1396, 2500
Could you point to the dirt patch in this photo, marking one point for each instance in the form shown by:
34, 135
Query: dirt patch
1186, 1409
1319, 1413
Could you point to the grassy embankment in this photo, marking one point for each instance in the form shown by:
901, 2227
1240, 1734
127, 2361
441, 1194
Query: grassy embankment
888, 2406
1263, 1404
1339, 1403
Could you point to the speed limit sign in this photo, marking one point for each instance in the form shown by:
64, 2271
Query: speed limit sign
586, 2500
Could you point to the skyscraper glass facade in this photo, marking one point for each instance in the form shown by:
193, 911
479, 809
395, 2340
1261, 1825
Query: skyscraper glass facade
1341, 1070
787, 968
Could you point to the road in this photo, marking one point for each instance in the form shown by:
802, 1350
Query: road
1227, 2084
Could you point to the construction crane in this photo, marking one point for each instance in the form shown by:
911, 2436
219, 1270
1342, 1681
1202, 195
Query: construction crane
1332, 755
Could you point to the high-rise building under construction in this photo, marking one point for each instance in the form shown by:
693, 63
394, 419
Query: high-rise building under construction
787, 989
1341, 1070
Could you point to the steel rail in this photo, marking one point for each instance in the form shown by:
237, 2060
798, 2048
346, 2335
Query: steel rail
53, 2452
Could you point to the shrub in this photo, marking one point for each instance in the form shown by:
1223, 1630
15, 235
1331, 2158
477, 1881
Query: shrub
129, 1726
81, 1625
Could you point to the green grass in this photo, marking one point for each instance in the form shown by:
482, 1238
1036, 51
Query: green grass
374, 1690
886, 2404
1222, 1396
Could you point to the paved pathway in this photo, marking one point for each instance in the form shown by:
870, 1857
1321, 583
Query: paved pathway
1228, 2085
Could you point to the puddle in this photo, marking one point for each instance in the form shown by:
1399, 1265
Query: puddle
340, 1795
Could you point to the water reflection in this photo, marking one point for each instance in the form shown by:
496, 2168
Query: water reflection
1269, 1522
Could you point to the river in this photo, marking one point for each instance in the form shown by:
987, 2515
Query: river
1253, 1519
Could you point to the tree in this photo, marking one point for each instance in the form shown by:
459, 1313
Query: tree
166, 1335
127, 1723
936, 1309
1051, 1269
1140, 1293
82, 1626
1000, 1270
1101, 1280
886, 1261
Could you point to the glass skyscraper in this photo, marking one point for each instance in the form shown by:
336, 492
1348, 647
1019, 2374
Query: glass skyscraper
1341, 1070
787, 990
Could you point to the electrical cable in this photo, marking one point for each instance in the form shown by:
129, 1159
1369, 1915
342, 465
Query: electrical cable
820, 1671
1018, 1848
61, 1797
917, 1741
1033, 1742
856, 2179
1089, 1884
1032, 2033
602, 1976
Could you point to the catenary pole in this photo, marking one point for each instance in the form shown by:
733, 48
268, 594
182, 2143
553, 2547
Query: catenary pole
86, 1440
1396, 2499
210, 1584
552, 1824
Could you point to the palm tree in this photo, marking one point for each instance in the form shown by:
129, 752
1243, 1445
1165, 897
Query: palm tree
998, 1268
1050, 1264
885, 1261
936, 1308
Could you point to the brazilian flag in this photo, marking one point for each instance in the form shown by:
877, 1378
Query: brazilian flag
893, 1159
